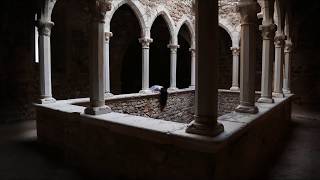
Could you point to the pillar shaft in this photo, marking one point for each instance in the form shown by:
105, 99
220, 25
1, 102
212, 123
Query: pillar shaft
193, 68
287, 67
44, 28
268, 32
107, 92
235, 68
278, 65
173, 66
97, 54
248, 13
206, 92
145, 42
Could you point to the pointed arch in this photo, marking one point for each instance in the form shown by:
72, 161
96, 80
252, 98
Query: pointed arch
185, 20
161, 11
135, 6
279, 17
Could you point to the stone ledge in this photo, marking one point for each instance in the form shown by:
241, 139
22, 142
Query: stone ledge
166, 131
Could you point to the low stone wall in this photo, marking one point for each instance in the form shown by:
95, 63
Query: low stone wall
179, 108
123, 146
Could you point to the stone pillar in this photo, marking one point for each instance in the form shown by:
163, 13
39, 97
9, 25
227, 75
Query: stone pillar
248, 14
98, 9
206, 92
235, 68
145, 42
287, 67
173, 66
107, 36
279, 41
44, 28
268, 29
193, 68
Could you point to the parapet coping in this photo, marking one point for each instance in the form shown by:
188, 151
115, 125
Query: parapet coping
166, 132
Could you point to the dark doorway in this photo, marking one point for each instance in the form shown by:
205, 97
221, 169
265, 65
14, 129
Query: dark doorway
125, 52
184, 58
160, 53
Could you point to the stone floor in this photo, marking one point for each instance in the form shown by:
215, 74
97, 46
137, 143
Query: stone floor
300, 158
21, 158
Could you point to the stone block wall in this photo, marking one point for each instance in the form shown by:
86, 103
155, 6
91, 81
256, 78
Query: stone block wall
179, 107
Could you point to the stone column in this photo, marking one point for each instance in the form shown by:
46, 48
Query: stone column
279, 41
268, 29
235, 68
287, 67
44, 29
145, 42
98, 9
193, 68
173, 66
248, 14
107, 92
206, 92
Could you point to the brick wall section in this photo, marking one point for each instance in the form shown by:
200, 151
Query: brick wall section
176, 8
179, 106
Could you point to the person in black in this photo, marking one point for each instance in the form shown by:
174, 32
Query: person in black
163, 95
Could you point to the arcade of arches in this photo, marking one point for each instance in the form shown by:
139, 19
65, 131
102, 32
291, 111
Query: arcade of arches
83, 70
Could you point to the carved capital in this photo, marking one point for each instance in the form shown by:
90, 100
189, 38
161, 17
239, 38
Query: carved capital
145, 42
288, 47
279, 40
268, 31
98, 9
248, 11
235, 51
44, 27
173, 47
107, 36
192, 50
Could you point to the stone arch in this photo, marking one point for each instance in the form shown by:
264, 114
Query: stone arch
135, 6
161, 11
278, 16
185, 20
234, 32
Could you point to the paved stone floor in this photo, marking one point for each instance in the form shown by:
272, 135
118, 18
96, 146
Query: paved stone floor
300, 158
21, 158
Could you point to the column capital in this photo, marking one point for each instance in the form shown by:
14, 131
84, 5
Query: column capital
173, 47
44, 27
108, 35
98, 9
248, 11
193, 50
235, 51
279, 40
288, 46
268, 31
145, 41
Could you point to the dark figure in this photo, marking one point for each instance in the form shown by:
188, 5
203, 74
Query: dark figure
163, 98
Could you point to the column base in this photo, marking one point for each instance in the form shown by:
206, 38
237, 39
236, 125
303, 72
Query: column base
145, 91
286, 91
265, 100
192, 87
47, 100
97, 110
278, 95
247, 109
172, 89
205, 130
106, 95
234, 88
